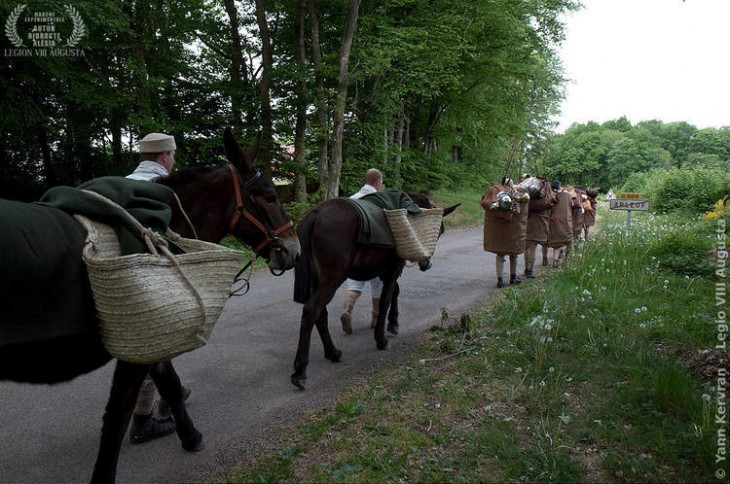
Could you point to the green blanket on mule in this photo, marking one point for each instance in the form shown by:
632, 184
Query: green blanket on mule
44, 287
374, 228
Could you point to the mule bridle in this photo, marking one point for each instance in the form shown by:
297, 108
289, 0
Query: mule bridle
271, 236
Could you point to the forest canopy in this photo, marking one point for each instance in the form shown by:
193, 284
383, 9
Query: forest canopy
436, 93
678, 165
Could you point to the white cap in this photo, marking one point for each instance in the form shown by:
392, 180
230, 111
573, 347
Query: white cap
157, 143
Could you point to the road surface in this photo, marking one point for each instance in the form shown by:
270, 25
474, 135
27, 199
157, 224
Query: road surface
241, 394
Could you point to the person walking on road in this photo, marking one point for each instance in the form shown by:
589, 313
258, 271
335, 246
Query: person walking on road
373, 184
158, 157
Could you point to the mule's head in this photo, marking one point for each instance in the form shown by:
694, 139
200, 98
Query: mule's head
260, 221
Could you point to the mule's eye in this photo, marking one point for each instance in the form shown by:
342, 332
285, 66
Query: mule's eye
271, 199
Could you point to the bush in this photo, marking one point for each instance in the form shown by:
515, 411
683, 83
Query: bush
689, 190
684, 253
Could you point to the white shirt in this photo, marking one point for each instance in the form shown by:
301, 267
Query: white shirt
365, 190
148, 170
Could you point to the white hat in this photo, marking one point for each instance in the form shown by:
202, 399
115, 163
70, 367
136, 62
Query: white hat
157, 143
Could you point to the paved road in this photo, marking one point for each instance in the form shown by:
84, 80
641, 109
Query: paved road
241, 394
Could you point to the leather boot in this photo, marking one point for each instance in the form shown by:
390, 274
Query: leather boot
346, 316
147, 427
376, 312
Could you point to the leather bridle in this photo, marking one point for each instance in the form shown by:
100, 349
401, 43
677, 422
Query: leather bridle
271, 236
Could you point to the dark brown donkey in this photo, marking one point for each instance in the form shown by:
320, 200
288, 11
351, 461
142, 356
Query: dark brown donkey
330, 254
232, 199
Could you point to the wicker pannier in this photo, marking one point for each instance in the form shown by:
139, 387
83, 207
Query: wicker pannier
415, 235
155, 306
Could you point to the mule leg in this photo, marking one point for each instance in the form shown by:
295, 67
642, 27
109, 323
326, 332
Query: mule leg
314, 312
330, 351
127, 381
390, 279
301, 360
170, 388
393, 311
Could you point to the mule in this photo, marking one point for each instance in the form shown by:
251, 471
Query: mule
329, 255
233, 199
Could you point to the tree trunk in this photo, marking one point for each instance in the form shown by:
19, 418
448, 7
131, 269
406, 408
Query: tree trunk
338, 118
399, 130
236, 68
300, 178
266, 148
136, 40
322, 128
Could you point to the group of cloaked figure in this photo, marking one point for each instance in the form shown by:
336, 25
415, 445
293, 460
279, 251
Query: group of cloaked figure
519, 217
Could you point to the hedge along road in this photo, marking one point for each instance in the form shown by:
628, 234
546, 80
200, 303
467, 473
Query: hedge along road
241, 393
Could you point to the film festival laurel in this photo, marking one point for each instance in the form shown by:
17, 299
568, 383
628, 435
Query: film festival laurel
44, 34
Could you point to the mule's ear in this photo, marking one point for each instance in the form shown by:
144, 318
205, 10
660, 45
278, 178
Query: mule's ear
449, 210
252, 151
233, 151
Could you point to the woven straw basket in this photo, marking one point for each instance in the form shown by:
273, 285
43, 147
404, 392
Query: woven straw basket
415, 234
155, 306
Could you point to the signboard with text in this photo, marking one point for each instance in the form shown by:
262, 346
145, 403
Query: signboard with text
628, 204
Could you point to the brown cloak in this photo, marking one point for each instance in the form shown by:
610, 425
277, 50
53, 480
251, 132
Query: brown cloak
561, 222
504, 235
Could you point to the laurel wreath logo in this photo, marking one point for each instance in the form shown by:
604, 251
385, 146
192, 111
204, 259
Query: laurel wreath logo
79, 29
11, 26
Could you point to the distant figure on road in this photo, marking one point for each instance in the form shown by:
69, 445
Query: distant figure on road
560, 234
589, 217
505, 226
538, 225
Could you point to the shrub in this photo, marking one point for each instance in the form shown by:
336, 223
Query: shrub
684, 253
690, 190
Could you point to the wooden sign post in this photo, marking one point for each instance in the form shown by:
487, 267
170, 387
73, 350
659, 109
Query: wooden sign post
629, 202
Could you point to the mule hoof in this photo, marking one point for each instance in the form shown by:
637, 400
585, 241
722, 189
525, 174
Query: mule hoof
383, 345
393, 328
195, 445
298, 381
335, 357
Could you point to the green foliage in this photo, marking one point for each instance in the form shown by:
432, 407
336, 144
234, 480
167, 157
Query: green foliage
617, 154
685, 253
692, 190
441, 93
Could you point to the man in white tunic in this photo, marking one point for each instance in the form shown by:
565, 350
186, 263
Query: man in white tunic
158, 157
373, 183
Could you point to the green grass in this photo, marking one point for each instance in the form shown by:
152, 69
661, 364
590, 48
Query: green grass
469, 213
576, 376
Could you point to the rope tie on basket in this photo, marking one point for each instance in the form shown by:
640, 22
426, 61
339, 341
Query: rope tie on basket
155, 244
185, 215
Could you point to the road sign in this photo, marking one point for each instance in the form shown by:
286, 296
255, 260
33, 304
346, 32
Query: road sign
628, 204
629, 195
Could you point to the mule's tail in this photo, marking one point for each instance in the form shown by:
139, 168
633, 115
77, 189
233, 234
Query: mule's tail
303, 268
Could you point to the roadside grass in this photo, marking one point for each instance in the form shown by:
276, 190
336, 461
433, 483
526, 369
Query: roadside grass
576, 376
469, 213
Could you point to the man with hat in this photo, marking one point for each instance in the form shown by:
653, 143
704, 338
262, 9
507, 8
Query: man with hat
158, 157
